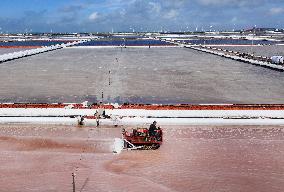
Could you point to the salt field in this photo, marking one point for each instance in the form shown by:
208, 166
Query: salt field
31, 43
192, 158
137, 75
266, 51
202, 150
11, 50
123, 42
218, 41
142, 96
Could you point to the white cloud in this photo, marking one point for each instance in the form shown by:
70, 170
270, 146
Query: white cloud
171, 14
230, 2
215, 2
276, 10
155, 7
94, 16
234, 20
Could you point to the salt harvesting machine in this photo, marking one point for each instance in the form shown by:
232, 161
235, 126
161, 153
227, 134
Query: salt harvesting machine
138, 139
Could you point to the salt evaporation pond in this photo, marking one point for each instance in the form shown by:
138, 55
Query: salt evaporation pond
11, 50
266, 51
192, 158
137, 75
128, 42
30, 43
214, 41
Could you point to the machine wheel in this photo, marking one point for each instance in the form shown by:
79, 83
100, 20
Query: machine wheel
155, 146
145, 147
151, 147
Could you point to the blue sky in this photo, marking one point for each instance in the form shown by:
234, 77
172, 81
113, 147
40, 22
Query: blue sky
138, 15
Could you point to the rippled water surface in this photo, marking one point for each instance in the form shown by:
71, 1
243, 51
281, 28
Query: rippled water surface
192, 158
137, 75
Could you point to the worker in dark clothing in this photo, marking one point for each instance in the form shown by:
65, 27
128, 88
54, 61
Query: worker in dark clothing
153, 129
81, 120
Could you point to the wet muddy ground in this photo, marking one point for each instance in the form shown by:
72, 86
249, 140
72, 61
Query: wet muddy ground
192, 158
137, 75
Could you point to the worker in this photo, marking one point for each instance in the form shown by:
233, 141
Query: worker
153, 129
81, 120
97, 116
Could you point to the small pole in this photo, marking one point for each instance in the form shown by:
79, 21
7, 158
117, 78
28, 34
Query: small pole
73, 176
109, 72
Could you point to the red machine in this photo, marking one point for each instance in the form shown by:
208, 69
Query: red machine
140, 139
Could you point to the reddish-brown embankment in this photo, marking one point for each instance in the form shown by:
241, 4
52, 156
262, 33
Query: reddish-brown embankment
152, 107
